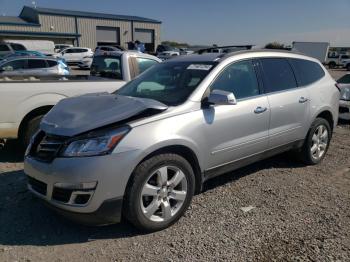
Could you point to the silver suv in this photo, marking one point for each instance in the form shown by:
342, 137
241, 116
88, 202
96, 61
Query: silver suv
144, 151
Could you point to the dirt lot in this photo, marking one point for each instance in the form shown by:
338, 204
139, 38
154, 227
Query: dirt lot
299, 213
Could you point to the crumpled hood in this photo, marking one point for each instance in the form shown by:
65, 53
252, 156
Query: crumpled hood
76, 115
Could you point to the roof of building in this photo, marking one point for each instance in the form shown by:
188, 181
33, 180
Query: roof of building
51, 11
12, 20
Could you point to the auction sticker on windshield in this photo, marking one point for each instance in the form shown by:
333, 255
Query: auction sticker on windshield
199, 67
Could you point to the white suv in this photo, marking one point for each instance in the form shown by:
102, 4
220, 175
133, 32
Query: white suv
75, 54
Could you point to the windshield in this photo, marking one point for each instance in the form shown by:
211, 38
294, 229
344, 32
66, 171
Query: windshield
344, 79
170, 83
107, 66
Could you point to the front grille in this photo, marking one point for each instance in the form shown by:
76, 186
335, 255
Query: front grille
37, 185
61, 194
46, 147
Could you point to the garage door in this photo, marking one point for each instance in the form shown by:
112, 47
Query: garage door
108, 35
145, 36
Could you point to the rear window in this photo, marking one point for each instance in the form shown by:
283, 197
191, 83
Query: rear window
4, 48
18, 47
307, 72
277, 75
107, 66
36, 63
51, 63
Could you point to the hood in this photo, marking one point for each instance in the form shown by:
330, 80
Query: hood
76, 115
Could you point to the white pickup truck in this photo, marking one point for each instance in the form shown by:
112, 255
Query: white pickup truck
24, 100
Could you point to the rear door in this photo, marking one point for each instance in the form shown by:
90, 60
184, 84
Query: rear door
289, 103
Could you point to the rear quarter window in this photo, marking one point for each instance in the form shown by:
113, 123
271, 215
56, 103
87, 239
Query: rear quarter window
306, 72
51, 63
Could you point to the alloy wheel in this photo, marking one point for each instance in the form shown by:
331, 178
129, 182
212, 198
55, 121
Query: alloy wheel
320, 141
163, 194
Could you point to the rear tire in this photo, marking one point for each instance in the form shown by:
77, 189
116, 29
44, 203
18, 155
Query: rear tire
30, 129
159, 192
317, 142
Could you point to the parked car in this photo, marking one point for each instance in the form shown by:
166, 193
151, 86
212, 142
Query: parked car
60, 47
29, 53
142, 152
103, 49
337, 60
86, 62
30, 98
10, 48
74, 55
32, 65
345, 62
186, 51
165, 52
43, 46
344, 85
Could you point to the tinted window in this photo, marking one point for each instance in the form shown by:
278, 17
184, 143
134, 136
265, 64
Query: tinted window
69, 51
144, 64
307, 72
36, 63
238, 78
4, 48
79, 50
169, 83
344, 79
14, 65
277, 75
18, 47
51, 63
106, 66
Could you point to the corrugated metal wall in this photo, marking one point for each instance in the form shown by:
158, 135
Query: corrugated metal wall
61, 24
86, 27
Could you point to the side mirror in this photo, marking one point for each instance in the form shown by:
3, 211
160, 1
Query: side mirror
220, 97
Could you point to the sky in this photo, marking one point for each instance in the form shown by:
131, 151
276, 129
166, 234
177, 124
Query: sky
224, 22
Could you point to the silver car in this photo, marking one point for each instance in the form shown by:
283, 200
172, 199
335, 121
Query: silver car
33, 66
143, 152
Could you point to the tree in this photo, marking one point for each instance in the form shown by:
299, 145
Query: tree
175, 44
275, 45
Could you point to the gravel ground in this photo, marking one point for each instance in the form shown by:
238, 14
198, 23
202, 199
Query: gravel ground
274, 210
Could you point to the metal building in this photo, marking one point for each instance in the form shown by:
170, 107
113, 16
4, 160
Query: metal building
84, 29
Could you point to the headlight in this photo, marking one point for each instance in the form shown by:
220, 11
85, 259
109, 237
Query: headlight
345, 93
94, 145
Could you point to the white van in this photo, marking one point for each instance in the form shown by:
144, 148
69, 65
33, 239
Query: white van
44, 46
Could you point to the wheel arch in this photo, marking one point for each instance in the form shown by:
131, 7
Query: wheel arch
35, 112
185, 152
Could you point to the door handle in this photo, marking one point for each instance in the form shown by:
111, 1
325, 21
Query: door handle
303, 100
260, 110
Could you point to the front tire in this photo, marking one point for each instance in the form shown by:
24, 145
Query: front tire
159, 192
317, 142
